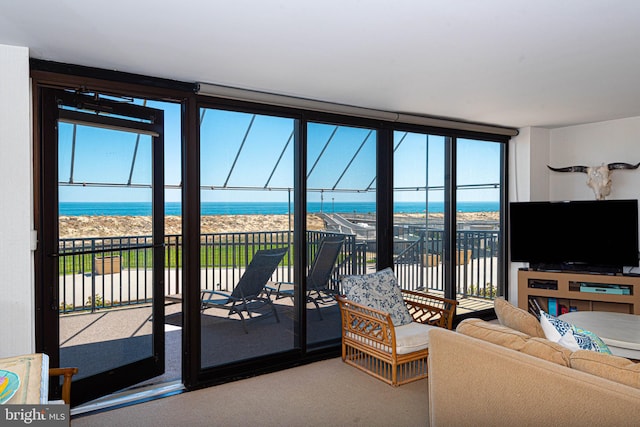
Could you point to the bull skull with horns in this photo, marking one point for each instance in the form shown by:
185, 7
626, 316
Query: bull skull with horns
598, 177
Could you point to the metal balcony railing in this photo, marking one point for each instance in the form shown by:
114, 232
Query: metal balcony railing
110, 272
420, 260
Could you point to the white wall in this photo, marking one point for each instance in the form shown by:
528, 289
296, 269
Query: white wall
590, 144
528, 150
17, 333
593, 144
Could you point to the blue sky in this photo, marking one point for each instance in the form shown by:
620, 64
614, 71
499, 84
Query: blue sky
339, 158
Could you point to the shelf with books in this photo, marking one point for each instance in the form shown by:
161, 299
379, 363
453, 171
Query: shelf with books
560, 292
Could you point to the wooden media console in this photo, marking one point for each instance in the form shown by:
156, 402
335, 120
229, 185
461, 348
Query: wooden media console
579, 291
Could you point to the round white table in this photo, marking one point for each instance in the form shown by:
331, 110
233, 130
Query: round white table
620, 331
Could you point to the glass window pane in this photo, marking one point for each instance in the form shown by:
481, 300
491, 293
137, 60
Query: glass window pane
341, 206
246, 163
103, 279
419, 211
478, 224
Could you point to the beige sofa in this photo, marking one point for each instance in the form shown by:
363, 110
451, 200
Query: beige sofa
487, 374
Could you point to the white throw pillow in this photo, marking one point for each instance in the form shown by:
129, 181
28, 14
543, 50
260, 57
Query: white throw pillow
570, 336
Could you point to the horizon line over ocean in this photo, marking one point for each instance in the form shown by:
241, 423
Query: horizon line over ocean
260, 208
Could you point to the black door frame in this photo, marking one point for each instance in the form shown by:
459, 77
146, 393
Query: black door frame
47, 311
51, 74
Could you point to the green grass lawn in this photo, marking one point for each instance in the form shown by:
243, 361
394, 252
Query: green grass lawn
210, 256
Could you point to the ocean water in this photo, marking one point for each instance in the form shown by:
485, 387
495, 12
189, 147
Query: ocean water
257, 208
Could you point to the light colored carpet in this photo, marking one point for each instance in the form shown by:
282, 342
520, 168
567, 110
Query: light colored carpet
326, 393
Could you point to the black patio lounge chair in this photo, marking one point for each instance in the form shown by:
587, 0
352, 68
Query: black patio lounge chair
249, 294
319, 290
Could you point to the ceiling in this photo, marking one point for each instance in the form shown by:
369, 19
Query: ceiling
514, 63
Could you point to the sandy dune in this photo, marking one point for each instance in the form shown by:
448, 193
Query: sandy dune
103, 226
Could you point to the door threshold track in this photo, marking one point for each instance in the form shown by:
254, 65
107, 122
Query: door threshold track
128, 397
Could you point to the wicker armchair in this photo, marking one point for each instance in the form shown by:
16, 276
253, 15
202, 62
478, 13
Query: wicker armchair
371, 343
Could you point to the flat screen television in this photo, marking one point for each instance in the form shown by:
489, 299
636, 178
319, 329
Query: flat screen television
598, 235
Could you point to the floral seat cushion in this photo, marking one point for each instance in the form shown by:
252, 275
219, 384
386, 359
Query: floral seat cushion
380, 291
